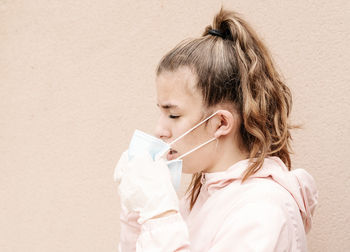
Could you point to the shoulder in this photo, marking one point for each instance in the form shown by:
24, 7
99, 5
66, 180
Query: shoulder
256, 226
261, 201
268, 203
262, 196
263, 190
264, 210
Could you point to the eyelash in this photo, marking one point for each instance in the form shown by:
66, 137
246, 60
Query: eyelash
173, 117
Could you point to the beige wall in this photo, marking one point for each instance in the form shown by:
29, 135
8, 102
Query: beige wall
77, 77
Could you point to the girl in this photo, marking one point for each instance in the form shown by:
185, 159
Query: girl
243, 195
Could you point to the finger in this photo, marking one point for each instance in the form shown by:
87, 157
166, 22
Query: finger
142, 156
121, 166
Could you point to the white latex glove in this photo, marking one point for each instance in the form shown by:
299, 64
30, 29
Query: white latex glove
145, 186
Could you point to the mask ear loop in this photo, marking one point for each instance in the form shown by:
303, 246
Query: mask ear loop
188, 131
194, 149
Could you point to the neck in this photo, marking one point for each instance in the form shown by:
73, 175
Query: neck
227, 155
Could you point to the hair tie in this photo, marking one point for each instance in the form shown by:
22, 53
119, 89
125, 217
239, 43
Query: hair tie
216, 33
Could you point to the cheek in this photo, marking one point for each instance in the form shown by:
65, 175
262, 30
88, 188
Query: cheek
192, 140
200, 160
185, 143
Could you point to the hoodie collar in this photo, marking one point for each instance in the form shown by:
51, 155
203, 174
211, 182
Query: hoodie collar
212, 181
299, 183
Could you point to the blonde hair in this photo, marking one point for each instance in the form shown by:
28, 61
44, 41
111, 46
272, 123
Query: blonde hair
238, 68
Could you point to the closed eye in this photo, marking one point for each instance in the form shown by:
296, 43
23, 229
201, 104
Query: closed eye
173, 116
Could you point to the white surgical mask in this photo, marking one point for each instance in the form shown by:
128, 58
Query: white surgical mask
156, 147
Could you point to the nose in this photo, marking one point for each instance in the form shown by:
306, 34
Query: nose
162, 131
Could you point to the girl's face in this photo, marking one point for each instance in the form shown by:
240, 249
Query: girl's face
181, 107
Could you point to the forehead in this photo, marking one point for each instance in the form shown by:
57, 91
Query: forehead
178, 87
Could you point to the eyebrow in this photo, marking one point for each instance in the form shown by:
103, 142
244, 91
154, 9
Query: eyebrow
167, 106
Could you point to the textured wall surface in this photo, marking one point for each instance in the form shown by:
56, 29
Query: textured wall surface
77, 77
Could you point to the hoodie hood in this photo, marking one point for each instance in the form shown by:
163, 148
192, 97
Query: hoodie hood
299, 183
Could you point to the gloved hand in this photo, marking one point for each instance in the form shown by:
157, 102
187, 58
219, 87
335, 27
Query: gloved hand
145, 186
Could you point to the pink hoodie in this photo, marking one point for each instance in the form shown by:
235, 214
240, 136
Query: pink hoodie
271, 211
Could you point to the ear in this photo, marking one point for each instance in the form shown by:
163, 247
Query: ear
224, 122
